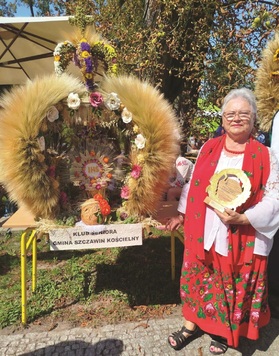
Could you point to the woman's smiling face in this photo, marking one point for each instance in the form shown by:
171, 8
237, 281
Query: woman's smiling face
238, 118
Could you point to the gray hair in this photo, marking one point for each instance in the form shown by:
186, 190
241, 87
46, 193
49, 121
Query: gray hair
243, 93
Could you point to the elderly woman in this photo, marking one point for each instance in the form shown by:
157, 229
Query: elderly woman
223, 283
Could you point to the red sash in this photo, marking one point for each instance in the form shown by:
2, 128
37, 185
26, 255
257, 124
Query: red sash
256, 165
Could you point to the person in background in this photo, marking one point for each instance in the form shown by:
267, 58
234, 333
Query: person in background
183, 170
192, 146
223, 284
220, 131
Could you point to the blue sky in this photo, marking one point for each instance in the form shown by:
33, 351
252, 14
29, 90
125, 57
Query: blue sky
22, 11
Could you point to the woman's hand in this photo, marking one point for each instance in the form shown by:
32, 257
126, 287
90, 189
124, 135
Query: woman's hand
174, 223
231, 217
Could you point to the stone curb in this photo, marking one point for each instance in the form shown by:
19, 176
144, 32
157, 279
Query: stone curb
147, 338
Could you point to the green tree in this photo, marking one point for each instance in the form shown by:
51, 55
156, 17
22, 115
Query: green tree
190, 48
43, 7
7, 8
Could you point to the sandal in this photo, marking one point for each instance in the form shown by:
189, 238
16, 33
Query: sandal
220, 343
180, 339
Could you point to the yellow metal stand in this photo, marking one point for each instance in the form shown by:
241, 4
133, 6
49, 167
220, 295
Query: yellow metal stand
28, 239
179, 235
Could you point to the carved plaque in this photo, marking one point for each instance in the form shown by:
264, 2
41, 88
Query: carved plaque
228, 188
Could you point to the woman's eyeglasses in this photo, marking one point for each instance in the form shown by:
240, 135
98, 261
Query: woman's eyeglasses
243, 115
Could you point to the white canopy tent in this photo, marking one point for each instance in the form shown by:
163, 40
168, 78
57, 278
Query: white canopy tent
27, 44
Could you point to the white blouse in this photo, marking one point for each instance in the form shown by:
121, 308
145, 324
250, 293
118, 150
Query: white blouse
264, 216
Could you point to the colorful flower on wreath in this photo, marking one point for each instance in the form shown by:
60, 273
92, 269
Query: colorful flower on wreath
98, 196
276, 55
41, 143
126, 116
51, 171
105, 208
95, 99
85, 62
63, 53
73, 101
141, 159
125, 192
96, 178
275, 74
85, 55
140, 141
52, 114
98, 186
63, 198
135, 129
121, 213
136, 171
106, 51
112, 102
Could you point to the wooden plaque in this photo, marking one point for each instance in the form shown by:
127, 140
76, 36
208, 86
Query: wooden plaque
228, 188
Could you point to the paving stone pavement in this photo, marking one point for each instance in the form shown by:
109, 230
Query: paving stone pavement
147, 338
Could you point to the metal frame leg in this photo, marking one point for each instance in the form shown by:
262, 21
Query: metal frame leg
24, 246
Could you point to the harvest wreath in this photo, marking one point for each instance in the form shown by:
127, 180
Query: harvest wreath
267, 82
63, 141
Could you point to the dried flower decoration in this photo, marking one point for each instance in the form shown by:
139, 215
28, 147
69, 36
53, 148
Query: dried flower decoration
85, 62
275, 74
135, 129
105, 208
95, 211
276, 55
42, 143
52, 114
136, 171
73, 101
95, 99
140, 141
63, 54
126, 116
108, 53
125, 192
85, 54
91, 170
112, 102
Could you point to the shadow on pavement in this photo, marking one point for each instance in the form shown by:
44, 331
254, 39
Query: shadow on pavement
267, 336
77, 347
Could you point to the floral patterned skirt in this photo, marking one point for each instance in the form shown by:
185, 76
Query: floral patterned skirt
225, 300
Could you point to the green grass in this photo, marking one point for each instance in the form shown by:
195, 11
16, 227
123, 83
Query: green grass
114, 283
